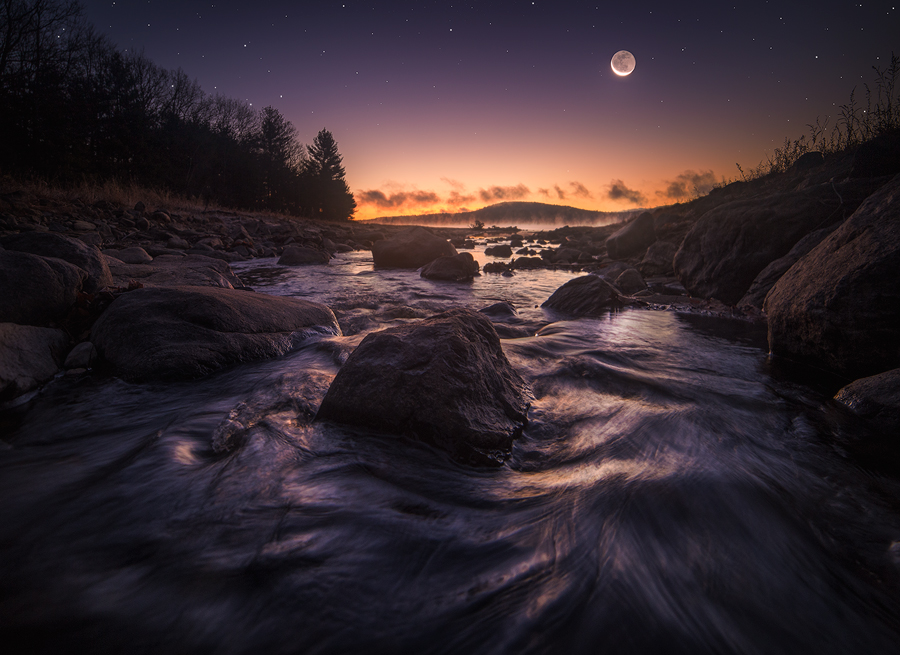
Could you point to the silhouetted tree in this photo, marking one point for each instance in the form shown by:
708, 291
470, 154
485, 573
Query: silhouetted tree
326, 189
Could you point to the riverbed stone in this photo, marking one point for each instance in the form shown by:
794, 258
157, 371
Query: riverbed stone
74, 251
29, 356
132, 255
876, 398
454, 268
412, 248
188, 332
588, 295
36, 290
839, 305
176, 270
443, 380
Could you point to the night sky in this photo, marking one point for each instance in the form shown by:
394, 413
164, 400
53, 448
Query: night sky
443, 106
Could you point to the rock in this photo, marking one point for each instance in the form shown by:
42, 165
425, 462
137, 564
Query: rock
188, 332
524, 263
588, 295
808, 160
756, 294
498, 251
630, 282
140, 206
565, 255
178, 243
133, 255
412, 248
161, 217
36, 290
730, 244
48, 244
443, 380
500, 310
29, 356
83, 226
495, 267
301, 256
455, 268
658, 259
878, 157
839, 305
175, 270
81, 356
876, 398
632, 239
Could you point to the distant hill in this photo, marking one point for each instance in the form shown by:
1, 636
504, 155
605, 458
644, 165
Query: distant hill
513, 213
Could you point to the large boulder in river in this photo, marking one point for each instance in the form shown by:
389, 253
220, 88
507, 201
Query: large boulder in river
176, 270
29, 356
454, 268
839, 305
632, 239
876, 398
443, 380
728, 247
302, 256
74, 251
412, 248
188, 332
35, 290
588, 295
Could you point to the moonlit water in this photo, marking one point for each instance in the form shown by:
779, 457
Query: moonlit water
669, 495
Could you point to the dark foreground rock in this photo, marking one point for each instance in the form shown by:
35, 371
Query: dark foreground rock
588, 295
839, 305
443, 380
188, 332
29, 356
632, 239
412, 248
74, 251
876, 398
176, 270
456, 268
35, 290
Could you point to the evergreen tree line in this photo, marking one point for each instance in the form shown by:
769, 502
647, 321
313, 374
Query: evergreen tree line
74, 108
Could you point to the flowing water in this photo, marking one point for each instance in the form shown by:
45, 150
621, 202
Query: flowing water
671, 494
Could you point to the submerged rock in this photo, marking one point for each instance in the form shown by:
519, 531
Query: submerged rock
443, 380
455, 268
29, 356
188, 332
839, 305
876, 398
588, 295
412, 248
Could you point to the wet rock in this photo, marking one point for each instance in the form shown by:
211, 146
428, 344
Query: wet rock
632, 239
502, 250
48, 244
81, 356
839, 305
588, 295
658, 259
630, 282
729, 245
176, 270
500, 310
443, 380
177, 243
133, 255
188, 332
412, 248
876, 398
301, 256
525, 263
36, 290
496, 267
756, 294
29, 356
455, 268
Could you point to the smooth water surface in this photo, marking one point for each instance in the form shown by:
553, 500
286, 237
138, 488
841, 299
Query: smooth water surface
669, 495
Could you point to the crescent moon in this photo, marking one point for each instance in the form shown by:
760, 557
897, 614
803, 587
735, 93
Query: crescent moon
622, 63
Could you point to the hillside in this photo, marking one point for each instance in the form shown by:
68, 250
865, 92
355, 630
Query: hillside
514, 213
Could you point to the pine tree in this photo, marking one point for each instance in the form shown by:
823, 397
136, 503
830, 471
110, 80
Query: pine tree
329, 194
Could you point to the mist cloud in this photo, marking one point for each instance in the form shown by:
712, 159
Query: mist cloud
618, 191
689, 184
504, 192
398, 199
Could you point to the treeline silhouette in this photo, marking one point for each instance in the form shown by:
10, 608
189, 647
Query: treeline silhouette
75, 109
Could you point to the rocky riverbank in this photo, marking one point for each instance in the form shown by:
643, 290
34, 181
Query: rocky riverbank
147, 293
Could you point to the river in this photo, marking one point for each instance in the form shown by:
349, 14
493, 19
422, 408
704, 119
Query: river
673, 492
